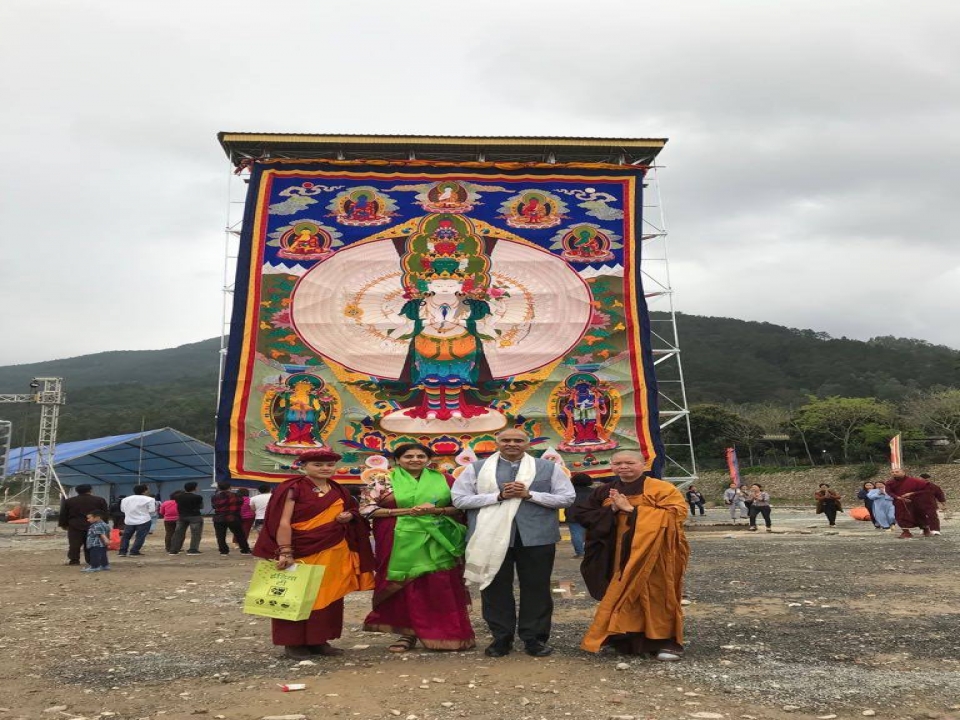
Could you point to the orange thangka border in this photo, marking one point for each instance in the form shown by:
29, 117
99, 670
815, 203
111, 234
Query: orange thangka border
236, 445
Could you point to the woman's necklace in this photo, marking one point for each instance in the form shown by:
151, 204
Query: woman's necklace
320, 490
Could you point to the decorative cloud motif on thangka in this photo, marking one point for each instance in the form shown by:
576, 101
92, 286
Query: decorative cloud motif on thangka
450, 196
363, 206
595, 203
305, 240
536, 209
299, 198
586, 243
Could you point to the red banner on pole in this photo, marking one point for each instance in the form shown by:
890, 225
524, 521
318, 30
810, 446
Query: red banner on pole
896, 452
733, 465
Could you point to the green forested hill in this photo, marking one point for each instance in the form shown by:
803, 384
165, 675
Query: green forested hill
724, 360
743, 362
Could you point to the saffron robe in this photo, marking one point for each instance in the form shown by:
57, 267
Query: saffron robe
634, 565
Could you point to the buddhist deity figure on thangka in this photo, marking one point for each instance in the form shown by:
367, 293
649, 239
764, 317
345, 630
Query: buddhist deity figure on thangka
586, 411
443, 312
298, 412
586, 243
438, 307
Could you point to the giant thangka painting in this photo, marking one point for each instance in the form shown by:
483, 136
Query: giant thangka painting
378, 304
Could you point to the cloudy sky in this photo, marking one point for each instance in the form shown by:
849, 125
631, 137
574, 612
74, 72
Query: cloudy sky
809, 179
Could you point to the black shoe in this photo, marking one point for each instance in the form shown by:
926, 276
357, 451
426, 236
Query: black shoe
297, 652
246, 552
120, 554
73, 562
193, 552
138, 554
498, 649
538, 649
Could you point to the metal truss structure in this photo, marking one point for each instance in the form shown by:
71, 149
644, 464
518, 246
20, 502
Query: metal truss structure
6, 433
681, 462
674, 420
48, 394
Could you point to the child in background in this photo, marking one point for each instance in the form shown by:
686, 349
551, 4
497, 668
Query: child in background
98, 537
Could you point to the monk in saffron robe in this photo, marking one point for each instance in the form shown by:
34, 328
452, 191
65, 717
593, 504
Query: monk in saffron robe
634, 561
312, 519
914, 503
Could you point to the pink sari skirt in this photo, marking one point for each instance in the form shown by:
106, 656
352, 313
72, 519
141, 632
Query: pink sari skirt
433, 607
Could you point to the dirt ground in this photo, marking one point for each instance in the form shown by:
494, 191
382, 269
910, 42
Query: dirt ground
802, 623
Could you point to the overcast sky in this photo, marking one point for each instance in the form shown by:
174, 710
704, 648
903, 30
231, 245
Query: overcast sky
810, 179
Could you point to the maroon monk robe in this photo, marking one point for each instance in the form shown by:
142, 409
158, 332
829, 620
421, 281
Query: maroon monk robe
326, 623
916, 510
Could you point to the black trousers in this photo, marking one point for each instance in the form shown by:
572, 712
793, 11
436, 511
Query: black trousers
534, 566
77, 541
755, 510
222, 527
831, 513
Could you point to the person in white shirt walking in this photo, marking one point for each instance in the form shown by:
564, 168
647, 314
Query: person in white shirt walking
138, 510
259, 505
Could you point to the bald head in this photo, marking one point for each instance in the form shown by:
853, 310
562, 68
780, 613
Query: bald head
628, 465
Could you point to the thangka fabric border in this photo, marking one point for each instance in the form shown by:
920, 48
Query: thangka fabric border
379, 304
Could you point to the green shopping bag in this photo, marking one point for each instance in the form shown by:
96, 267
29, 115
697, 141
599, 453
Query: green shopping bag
283, 594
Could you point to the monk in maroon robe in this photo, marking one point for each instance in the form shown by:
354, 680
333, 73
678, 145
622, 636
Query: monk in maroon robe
312, 519
914, 503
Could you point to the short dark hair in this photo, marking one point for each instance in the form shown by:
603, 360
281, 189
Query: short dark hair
824, 485
99, 514
173, 495
402, 450
190, 486
581, 479
925, 476
243, 492
83, 489
263, 488
223, 485
140, 489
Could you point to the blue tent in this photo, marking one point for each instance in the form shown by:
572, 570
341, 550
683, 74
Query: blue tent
164, 459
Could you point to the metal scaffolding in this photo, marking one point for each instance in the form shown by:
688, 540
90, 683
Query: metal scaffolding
48, 394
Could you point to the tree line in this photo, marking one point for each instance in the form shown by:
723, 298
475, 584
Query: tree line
832, 429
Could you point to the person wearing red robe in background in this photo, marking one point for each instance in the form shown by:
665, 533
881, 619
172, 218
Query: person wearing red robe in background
940, 498
913, 502
313, 520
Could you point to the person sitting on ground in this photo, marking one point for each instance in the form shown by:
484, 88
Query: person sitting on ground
828, 503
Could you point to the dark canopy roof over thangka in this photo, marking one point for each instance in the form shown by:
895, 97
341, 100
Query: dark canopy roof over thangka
243, 147
153, 456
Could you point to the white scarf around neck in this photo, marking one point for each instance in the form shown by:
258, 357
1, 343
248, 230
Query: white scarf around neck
491, 535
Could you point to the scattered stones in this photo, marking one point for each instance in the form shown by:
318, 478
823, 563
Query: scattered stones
394, 712
304, 663
826, 717
707, 715
623, 666
790, 708
55, 709
284, 717
446, 704
524, 701
869, 713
